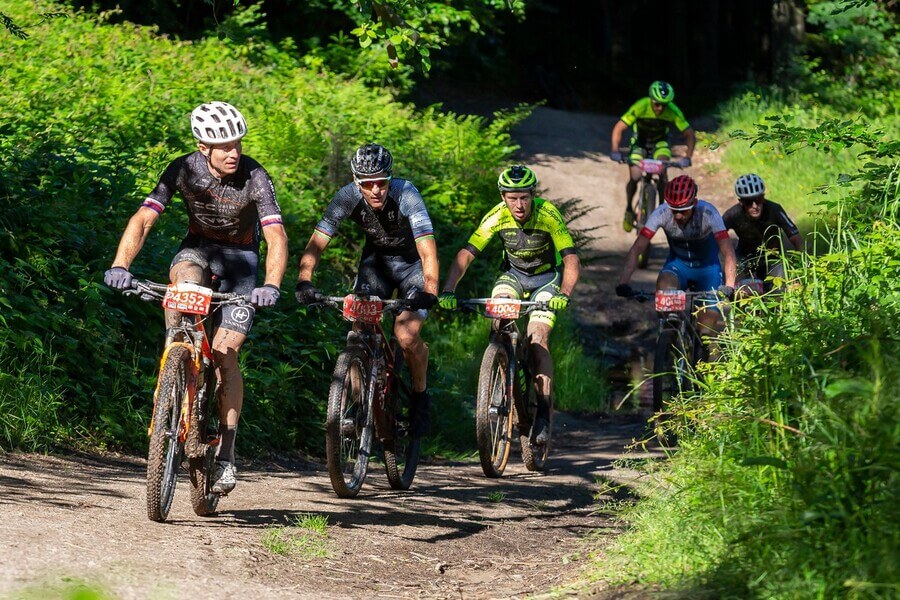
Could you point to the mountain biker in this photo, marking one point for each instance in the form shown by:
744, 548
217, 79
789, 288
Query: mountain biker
696, 236
400, 254
230, 200
758, 223
540, 262
652, 118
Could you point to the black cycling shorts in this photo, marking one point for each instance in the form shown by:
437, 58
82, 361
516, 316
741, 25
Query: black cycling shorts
381, 275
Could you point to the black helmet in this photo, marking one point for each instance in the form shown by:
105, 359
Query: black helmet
371, 159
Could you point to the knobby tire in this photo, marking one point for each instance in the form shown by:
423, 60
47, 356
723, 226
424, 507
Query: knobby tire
165, 453
494, 408
401, 452
349, 428
535, 456
648, 204
202, 468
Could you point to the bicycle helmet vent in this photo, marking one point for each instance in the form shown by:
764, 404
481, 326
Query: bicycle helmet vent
217, 123
517, 178
371, 159
661, 92
749, 186
681, 193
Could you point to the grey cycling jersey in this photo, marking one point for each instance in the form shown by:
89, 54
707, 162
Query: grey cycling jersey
393, 230
228, 210
695, 243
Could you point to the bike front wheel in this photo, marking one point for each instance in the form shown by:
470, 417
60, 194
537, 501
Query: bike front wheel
166, 449
493, 412
401, 453
349, 427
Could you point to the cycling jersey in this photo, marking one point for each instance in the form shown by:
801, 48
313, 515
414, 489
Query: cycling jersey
649, 127
533, 247
228, 210
757, 234
695, 244
394, 230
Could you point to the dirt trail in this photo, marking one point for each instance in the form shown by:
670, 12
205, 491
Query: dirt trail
455, 534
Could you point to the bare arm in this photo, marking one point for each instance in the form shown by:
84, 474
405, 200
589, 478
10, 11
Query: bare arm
639, 246
311, 255
428, 253
276, 254
458, 268
727, 250
134, 236
618, 129
571, 272
690, 139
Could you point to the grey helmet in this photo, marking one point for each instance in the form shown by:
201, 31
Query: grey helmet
371, 159
749, 186
217, 123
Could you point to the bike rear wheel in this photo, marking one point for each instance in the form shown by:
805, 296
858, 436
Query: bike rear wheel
535, 455
349, 427
166, 450
493, 412
202, 468
648, 204
401, 453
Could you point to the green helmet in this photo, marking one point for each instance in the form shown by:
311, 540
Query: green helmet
517, 178
661, 92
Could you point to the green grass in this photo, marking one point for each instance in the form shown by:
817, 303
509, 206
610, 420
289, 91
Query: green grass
497, 496
306, 537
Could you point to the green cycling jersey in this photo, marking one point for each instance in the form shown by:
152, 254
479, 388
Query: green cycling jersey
648, 125
533, 247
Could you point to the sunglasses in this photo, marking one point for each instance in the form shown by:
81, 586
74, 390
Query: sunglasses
750, 201
368, 184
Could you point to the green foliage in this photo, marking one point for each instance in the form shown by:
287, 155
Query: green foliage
306, 537
785, 480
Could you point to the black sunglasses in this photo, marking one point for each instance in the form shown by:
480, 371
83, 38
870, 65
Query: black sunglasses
757, 200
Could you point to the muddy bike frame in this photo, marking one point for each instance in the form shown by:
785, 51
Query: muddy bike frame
368, 399
506, 396
182, 410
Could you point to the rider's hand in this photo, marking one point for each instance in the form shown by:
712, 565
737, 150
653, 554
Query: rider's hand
307, 293
624, 290
616, 156
558, 302
726, 291
267, 295
447, 301
118, 278
684, 162
422, 300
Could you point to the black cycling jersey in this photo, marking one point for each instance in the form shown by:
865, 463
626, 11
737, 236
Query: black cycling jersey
754, 234
228, 210
393, 230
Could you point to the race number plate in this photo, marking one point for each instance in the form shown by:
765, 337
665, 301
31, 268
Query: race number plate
502, 308
670, 300
654, 167
362, 310
188, 298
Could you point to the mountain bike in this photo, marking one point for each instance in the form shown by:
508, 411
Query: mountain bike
184, 422
506, 396
678, 343
369, 398
648, 192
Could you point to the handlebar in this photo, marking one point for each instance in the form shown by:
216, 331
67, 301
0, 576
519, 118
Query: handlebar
472, 304
150, 291
644, 296
391, 305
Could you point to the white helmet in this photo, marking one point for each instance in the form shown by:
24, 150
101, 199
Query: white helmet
217, 123
749, 186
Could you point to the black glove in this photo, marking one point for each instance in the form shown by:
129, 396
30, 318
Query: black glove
726, 291
267, 295
118, 278
616, 156
684, 162
421, 300
624, 290
307, 293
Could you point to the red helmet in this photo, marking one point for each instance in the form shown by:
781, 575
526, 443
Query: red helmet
681, 193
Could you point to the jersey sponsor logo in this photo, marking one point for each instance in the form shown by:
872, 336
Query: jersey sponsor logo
215, 221
391, 241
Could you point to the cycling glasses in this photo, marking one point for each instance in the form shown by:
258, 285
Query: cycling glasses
368, 184
758, 200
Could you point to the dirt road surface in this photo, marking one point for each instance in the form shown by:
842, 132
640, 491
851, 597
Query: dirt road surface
455, 534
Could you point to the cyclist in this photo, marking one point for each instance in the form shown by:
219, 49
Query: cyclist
652, 118
696, 236
758, 223
539, 261
399, 255
230, 201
